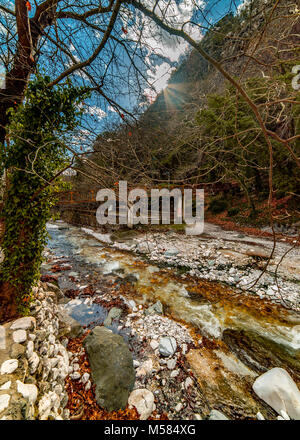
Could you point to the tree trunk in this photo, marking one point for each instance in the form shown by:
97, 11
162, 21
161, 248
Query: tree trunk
8, 305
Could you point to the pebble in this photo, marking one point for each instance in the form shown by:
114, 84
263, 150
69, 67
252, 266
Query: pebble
85, 377
75, 376
188, 382
178, 407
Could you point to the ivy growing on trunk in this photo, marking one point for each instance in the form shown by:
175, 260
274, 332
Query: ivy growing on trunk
32, 159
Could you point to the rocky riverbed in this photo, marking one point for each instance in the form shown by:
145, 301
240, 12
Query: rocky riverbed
219, 255
197, 345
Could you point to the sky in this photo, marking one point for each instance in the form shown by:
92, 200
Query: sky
158, 55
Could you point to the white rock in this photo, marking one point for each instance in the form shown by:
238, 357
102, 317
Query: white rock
217, 415
145, 368
85, 377
154, 344
184, 348
174, 373
45, 406
23, 323
259, 416
32, 336
167, 346
76, 367
188, 382
19, 336
34, 361
30, 348
2, 338
6, 385
277, 389
9, 366
88, 385
4, 401
197, 417
75, 376
28, 391
171, 364
143, 400
178, 407
132, 305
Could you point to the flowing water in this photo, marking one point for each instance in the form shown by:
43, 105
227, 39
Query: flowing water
243, 335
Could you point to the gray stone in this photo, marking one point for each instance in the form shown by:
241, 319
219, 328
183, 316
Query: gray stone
155, 309
111, 368
167, 346
217, 415
172, 252
114, 313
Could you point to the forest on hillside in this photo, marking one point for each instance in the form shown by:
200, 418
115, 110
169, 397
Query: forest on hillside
200, 131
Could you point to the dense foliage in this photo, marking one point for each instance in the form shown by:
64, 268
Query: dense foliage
34, 156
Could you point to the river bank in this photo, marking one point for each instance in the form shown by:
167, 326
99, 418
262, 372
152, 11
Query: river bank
224, 339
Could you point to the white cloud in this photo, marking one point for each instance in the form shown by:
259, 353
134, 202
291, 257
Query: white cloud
160, 42
93, 110
96, 111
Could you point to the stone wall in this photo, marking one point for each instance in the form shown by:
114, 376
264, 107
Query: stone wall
34, 361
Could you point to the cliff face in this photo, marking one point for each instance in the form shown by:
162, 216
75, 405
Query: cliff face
257, 42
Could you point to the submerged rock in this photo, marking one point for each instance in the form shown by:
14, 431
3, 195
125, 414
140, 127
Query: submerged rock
111, 368
114, 313
155, 309
68, 326
277, 389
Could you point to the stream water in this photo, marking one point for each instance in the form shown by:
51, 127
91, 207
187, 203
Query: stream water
243, 335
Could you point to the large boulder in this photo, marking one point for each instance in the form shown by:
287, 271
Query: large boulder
277, 389
111, 368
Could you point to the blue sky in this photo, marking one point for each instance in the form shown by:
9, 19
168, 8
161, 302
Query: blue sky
157, 55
